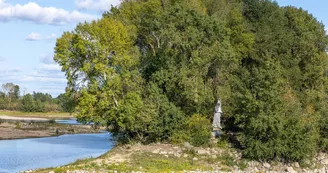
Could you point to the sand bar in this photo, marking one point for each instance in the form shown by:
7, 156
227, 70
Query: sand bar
26, 119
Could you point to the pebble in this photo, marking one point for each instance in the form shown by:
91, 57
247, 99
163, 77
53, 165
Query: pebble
297, 165
156, 151
203, 152
324, 161
187, 145
291, 170
266, 165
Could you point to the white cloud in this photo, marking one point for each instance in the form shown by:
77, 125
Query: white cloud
33, 37
97, 5
41, 15
54, 67
37, 37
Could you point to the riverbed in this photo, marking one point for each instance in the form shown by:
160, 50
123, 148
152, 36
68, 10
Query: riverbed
24, 154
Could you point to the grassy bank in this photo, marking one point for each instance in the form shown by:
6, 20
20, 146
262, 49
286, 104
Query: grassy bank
170, 158
37, 114
153, 158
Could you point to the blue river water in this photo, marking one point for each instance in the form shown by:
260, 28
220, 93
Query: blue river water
68, 121
24, 154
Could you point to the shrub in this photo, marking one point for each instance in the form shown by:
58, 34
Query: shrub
199, 128
180, 137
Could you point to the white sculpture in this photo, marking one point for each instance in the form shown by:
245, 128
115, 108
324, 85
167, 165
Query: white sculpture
217, 116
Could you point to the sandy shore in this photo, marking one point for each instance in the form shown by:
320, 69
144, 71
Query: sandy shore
26, 119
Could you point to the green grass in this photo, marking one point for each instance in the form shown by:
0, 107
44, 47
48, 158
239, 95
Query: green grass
155, 163
158, 163
37, 114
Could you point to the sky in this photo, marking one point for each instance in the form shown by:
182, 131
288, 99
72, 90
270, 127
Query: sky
29, 28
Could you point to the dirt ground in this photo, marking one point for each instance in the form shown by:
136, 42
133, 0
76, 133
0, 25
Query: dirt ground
19, 130
6, 117
12, 133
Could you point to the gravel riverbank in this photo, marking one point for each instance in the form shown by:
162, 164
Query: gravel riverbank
19, 129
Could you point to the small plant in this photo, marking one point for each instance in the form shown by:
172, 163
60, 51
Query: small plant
52, 121
242, 164
17, 125
59, 170
227, 160
222, 142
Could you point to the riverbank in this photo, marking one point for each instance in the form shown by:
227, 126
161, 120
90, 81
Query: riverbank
21, 130
51, 115
186, 158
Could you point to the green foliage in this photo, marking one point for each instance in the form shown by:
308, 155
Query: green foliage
66, 102
148, 70
196, 130
27, 103
199, 130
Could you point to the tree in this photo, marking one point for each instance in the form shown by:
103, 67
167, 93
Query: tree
16, 92
147, 67
27, 103
66, 102
8, 89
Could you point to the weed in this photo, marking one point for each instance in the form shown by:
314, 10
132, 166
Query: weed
17, 125
242, 164
227, 159
59, 170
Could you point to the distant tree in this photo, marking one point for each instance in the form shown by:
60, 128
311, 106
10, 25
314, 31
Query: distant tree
27, 104
66, 102
16, 92
38, 106
43, 97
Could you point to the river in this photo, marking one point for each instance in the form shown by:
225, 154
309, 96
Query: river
24, 154
72, 121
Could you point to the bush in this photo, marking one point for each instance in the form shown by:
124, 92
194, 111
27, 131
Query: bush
196, 130
180, 137
200, 130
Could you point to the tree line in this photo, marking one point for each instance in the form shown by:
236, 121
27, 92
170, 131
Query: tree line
11, 99
152, 70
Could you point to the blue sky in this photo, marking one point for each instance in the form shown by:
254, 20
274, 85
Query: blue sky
29, 28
